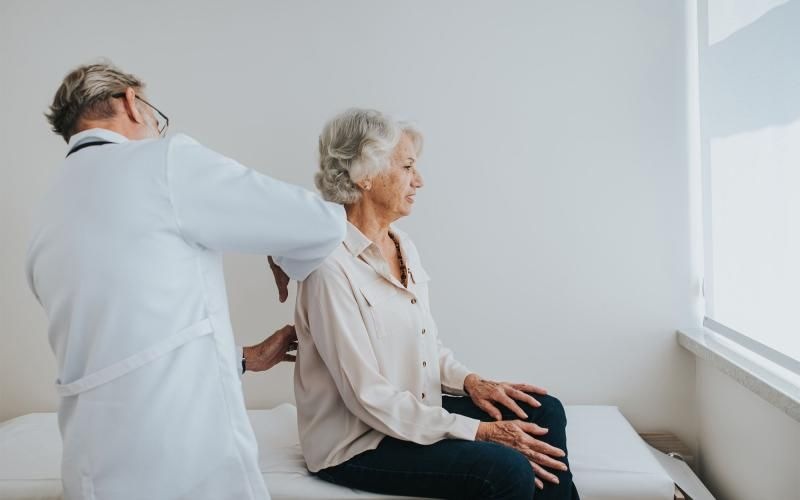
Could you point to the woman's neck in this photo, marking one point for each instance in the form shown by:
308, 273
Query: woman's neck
366, 218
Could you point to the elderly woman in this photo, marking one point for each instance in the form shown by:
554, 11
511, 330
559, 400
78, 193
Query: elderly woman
371, 370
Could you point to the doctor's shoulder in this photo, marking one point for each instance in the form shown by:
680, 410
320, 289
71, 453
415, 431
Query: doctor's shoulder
182, 140
186, 149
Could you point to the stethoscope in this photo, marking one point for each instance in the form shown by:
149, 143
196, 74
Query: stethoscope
87, 145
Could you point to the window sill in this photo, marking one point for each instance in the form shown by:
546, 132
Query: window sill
774, 384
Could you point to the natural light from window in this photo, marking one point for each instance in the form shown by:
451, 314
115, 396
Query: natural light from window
755, 212
750, 119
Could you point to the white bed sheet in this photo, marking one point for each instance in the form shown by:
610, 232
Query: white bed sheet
609, 460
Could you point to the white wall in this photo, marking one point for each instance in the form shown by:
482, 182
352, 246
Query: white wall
747, 448
554, 221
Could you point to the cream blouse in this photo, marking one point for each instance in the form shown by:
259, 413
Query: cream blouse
369, 361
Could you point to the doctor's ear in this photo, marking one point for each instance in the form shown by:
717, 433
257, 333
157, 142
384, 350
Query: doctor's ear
131, 109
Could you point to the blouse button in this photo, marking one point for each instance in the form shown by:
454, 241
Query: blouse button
413, 301
423, 395
424, 331
424, 364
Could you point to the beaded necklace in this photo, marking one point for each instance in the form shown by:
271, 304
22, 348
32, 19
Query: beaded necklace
403, 272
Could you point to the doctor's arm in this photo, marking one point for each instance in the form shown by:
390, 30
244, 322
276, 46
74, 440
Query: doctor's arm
269, 352
224, 206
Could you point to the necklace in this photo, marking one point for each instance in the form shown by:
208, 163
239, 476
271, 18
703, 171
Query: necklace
403, 272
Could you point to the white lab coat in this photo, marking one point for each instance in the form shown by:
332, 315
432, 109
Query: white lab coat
126, 259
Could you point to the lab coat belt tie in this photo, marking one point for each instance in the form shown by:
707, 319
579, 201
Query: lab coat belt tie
134, 361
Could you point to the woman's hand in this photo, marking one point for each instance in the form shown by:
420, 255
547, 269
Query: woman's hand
520, 436
272, 350
485, 393
281, 280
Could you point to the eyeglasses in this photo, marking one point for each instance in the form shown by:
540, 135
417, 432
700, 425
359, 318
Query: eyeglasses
162, 122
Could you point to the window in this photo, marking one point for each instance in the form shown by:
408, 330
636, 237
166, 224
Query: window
749, 64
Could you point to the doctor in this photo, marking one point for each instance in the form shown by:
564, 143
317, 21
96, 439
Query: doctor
126, 260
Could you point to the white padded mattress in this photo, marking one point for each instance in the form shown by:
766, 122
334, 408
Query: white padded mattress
609, 460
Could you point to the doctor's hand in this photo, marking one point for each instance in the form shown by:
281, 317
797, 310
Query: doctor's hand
486, 394
281, 280
520, 436
272, 350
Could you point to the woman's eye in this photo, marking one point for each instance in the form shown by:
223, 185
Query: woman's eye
409, 166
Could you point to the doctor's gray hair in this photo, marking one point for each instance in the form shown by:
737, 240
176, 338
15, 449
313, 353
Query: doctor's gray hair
86, 93
355, 145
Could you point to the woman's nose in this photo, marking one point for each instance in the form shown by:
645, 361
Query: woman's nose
418, 182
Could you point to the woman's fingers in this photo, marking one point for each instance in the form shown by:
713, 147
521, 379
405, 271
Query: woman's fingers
548, 461
544, 448
289, 357
490, 409
542, 473
532, 429
538, 482
512, 405
542, 459
535, 460
530, 388
522, 396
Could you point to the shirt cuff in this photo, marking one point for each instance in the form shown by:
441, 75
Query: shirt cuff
297, 270
465, 428
453, 381
239, 356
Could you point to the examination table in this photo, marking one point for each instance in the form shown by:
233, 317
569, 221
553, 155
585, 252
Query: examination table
609, 460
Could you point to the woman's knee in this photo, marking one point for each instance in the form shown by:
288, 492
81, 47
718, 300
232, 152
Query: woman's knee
510, 475
553, 410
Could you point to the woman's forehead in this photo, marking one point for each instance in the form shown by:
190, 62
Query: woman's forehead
405, 149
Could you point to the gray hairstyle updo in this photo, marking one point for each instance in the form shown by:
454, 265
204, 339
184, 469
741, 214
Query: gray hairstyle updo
355, 145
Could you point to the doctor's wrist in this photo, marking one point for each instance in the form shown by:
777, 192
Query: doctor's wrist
248, 358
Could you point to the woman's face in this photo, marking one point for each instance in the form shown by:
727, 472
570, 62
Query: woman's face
393, 190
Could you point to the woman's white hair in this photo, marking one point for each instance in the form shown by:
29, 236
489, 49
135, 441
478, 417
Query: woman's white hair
355, 145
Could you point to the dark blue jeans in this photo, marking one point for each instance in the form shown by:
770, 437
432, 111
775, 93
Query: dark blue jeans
458, 469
